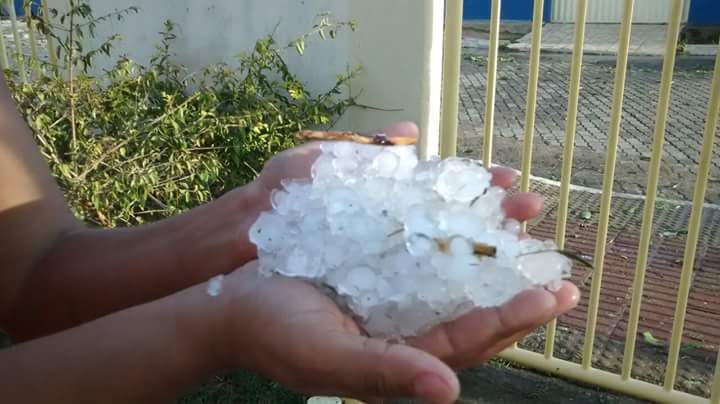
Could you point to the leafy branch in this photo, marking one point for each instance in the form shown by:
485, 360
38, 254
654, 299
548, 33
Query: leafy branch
140, 143
326, 26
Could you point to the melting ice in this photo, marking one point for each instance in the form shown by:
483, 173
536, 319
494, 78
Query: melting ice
402, 244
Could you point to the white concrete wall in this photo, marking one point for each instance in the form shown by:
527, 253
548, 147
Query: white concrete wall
397, 43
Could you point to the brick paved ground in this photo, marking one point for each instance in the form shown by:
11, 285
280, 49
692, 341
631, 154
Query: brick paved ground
701, 336
681, 155
685, 121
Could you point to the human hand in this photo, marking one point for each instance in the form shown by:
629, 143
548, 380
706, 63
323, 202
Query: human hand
296, 163
289, 331
300, 338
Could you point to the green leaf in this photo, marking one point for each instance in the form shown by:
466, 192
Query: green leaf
690, 347
300, 46
650, 339
673, 233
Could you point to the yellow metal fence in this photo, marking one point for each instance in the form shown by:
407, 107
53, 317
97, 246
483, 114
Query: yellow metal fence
27, 65
585, 372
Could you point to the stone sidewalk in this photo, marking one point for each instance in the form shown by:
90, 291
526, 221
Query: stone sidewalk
681, 156
602, 39
684, 130
701, 337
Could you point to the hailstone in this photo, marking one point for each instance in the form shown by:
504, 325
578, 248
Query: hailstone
401, 244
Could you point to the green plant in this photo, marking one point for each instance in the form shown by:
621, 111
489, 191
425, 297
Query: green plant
681, 45
141, 143
478, 60
69, 51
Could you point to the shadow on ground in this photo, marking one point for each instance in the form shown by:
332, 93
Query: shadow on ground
500, 383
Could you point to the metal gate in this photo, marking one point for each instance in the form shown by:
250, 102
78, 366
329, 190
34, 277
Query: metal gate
579, 11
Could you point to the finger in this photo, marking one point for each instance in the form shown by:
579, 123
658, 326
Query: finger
375, 368
486, 355
291, 164
567, 299
402, 129
475, 332
523, 206
503, 177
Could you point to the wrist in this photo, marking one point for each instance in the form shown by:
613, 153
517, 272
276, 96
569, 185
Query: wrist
241, 208
216, 234
233, 344
200, 320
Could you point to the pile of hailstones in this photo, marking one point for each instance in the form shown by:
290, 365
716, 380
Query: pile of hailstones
402, 244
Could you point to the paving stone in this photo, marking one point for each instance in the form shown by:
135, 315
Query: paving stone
685, 120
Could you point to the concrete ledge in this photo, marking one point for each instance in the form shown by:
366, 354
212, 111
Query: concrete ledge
701, 50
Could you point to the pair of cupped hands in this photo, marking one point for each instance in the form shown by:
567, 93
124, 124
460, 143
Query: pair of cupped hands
295, 335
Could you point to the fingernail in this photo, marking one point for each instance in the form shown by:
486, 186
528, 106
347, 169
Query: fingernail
430, 387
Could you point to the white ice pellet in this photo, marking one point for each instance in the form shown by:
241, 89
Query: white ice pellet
386, 163
214, 286
512, 226
343, 150
460, 246
419, 245
462, 182
401, 244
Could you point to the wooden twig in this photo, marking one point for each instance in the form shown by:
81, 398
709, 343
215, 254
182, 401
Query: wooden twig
569, 254
380, 139
486, 250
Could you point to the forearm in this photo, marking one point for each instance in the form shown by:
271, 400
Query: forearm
149, 353
91, 273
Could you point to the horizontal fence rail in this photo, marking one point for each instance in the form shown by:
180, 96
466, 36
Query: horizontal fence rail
622, 381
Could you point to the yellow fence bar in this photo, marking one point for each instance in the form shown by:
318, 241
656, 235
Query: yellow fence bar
569, 370
715, 397
451, 77
570, 128
649, 210
531, 106
4, 64
49, 38
34, 61
613, 137
694, 228
18, 44
491, 82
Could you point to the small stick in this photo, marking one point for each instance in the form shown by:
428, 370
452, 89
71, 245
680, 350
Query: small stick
569, 254
380, 139
479, 249
484, 250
